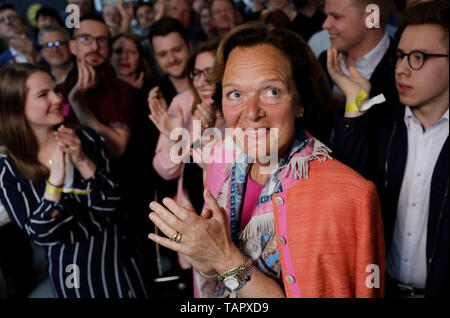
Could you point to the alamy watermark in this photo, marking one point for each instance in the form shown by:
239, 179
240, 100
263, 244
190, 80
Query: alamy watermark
373, 19
259, 144
73, 19
373, 280
73, 279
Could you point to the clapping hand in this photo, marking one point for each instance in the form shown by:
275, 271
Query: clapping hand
206, 114
165, 122
138, 82
70, 144
57, 166
205, 238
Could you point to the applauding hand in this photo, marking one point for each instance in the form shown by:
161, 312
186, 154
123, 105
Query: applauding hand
70, 144
165, 122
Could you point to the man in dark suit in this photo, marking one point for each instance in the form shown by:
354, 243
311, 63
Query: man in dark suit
13, 31
361, 44
407, 155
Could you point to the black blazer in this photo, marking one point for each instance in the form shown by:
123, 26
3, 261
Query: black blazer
382, 81
378, 149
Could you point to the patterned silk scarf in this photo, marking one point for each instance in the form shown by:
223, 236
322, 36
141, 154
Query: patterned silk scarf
257, 240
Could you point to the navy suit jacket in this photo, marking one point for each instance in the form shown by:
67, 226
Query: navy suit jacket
6, 57
378, 149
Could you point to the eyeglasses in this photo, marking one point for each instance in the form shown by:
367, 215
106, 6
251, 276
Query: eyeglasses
121, 51
195, 74
53, 44
9, 18
416, 59
87, 39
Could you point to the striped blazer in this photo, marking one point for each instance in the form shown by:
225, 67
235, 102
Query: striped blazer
86, 249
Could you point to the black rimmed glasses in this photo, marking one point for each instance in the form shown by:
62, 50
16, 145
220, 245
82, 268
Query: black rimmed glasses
87, 39
195, 74
416, 59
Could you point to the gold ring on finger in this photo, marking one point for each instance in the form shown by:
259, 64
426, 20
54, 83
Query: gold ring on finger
179, 236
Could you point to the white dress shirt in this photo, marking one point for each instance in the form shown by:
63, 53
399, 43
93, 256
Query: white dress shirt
406, 259
367, 64
18, 57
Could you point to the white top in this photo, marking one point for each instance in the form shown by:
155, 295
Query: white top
406, 260
367, 64
319, 42
18, 57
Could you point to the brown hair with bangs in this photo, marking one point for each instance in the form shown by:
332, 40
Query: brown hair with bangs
311, 84
19, 139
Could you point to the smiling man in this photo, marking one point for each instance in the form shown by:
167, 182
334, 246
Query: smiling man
98, 99
368, 49
54, 43
407, 156
171, 50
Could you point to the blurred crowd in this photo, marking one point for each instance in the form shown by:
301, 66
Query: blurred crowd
133, 71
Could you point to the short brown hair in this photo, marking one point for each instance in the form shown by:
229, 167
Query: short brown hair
19, 139
310, 81
435, 12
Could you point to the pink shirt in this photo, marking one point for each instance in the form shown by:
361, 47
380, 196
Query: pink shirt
252, 193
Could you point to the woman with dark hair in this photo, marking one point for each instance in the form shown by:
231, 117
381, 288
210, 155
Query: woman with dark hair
302, 225
194, 104
128, 59
55, 185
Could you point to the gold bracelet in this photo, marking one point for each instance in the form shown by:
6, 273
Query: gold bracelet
215, 275
235, 270
53, 190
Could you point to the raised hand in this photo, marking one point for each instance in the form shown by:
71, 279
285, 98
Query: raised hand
70, 144
206, 113
127, 13
160, 9
86, 81
138, 82
165, 122
57, 166
25, 45
350, 86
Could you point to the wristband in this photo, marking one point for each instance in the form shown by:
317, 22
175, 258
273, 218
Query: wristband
57, 190
52, 189
356, 105
351, 107
363, 105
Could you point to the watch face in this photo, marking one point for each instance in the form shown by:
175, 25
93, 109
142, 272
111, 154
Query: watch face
231, 283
